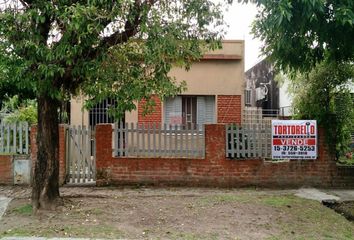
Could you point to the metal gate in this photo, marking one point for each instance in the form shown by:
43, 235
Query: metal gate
80, 155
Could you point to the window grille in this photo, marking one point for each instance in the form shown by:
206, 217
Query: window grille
99, 113
248, 95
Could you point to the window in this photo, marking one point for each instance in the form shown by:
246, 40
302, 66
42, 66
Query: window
248, 95
99, 113
189, 110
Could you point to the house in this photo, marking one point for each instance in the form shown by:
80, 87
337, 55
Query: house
214, 94
264, 94
261, 90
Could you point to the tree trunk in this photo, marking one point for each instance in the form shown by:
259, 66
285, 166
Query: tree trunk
45, 189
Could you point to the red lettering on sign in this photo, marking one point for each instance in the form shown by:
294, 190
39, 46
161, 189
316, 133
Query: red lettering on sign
312, 129
294, 130
294, 142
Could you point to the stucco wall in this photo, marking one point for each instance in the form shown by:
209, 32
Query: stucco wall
206, 77
215, 77
78, 116
231, 47
212, 77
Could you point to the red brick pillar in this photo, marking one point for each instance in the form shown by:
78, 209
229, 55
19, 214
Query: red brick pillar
62, 154
215, 143
6, 169
103, 154
34, 149
229, 109
325, 162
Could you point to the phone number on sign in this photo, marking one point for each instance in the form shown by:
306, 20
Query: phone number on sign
294, 148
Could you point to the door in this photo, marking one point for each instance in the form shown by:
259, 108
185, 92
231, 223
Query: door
80, 155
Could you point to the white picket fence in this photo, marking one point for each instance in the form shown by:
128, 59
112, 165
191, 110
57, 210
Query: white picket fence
156, 140
248, 141
14, 138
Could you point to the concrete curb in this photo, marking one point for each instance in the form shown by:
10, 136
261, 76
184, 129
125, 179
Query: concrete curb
315, 194
4, 202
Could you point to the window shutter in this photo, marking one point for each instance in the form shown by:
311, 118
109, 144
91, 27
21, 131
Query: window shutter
210, 109
206, 109
200, 110
173, 110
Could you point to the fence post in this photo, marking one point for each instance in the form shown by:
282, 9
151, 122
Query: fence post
103, 154
62, 153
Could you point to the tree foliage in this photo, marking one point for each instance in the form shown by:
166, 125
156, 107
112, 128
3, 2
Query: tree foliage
297, 34
69, 46
14, 109
120, 49
323, 94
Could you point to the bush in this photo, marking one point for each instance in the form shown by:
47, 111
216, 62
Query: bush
15, 110
323, 94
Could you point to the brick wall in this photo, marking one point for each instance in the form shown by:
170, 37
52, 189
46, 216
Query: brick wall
229, 109
155, 116
6, 169
215, 169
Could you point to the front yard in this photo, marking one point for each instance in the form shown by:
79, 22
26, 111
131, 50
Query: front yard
177, 213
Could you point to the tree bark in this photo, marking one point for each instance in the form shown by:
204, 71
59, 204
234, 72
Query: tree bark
45, 189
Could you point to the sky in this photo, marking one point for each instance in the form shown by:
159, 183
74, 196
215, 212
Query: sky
239, 18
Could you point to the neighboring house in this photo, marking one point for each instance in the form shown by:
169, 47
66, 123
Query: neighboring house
264, 93
214, 94
261, 90
285, 100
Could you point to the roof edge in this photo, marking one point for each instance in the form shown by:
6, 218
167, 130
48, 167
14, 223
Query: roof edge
221, 57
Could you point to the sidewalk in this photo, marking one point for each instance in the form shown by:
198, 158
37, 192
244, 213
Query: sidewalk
4, 201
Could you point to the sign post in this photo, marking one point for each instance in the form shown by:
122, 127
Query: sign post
294, 139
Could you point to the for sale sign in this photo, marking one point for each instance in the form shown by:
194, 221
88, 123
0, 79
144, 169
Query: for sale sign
294, 139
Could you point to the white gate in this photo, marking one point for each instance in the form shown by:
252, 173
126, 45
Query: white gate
80, 155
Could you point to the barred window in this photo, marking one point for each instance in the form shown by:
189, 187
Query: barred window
99, 113
248, 94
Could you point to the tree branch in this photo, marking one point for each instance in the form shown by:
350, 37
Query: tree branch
44, 29
131, 25
130, 29
26, 3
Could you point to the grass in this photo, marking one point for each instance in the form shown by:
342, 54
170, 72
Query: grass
308, 219
91, 231
94, 211
67, 229
17, 232
25, 210
273, 201
222, 198
314, 221
278, 201
193, 236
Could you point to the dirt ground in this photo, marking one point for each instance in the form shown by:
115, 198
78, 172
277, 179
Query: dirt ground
175, 213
